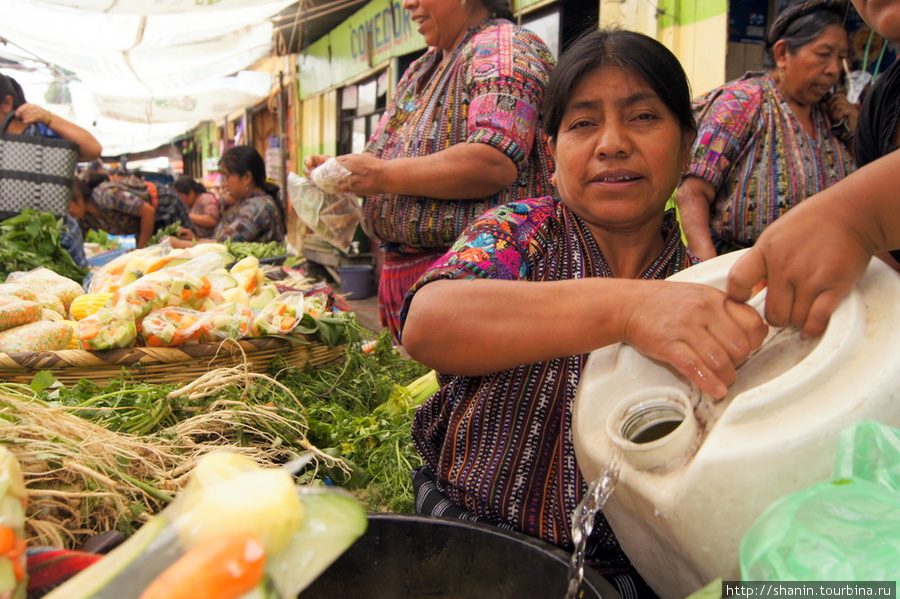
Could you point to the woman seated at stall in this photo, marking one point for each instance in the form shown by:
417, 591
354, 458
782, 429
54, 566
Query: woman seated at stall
204, 207
510, 313
255, 214
31, 119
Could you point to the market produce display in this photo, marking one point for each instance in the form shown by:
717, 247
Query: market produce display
197, 295
99, 458
133, 454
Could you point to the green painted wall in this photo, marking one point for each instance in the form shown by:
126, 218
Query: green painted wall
688, 12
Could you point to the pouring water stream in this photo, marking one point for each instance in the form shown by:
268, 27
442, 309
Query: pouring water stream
583, 517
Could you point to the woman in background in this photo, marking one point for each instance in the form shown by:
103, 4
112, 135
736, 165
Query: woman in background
461, 135
203, 206
765, 142
256, 213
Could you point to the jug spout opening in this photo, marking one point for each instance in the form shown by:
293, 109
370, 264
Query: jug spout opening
654, 428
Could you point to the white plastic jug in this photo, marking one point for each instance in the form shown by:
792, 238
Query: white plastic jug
695, 474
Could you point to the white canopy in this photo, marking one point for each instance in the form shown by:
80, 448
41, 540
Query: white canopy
146, 67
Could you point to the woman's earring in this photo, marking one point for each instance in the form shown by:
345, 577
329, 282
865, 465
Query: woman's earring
780, 76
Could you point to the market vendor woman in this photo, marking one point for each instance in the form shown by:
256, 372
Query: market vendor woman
255, 212
510, 313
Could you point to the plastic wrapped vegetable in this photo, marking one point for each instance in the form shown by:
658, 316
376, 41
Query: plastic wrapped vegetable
169, 287
15, 312
43, 335
248, 274
106, 329
13, 574
171, 326
45, 281
126, 269
281, 315
16, 290
230, 320
236, 531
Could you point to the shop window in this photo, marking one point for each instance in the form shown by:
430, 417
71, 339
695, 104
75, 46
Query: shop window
362, 105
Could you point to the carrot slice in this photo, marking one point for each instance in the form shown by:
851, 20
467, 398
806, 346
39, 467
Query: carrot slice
219, 568
7, 540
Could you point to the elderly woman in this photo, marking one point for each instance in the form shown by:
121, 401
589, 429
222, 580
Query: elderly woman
765, 142
462, 135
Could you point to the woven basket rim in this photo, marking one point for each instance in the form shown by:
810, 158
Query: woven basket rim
144, 355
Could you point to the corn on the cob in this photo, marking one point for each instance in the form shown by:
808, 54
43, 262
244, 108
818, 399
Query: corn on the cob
73, 342
87, 304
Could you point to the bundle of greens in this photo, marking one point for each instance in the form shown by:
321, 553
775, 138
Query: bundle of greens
32, 239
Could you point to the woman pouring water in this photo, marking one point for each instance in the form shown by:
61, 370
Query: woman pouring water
510, 313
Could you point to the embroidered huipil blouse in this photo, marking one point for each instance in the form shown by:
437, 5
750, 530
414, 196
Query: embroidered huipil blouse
753, 150
489, 92
501, 444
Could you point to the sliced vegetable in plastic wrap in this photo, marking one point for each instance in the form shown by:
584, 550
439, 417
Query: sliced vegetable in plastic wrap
15, 312
106, 329
43, 335
13, 574
218, 256
126, 268
276, 536
334, 216
169, 287
45, 281
17, 290
248, 273
172, 326
281, 315
231, 320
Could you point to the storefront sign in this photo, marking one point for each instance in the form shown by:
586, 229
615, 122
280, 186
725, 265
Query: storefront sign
375, 33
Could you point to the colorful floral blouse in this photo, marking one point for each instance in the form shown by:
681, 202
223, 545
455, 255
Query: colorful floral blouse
490, 92
759, 158
501, 445
256, 218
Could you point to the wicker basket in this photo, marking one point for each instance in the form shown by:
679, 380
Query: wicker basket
162, 364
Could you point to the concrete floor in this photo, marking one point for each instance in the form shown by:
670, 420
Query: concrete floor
366, 311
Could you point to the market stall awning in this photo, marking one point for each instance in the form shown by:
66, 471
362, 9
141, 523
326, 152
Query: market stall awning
151, 62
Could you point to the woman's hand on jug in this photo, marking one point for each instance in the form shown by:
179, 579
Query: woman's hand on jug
805, 279
696, 329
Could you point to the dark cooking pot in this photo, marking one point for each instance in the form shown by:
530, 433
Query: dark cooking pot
402, 556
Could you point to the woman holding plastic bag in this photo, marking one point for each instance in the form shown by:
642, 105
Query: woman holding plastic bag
461, 136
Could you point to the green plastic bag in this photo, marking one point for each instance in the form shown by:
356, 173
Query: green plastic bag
846, 529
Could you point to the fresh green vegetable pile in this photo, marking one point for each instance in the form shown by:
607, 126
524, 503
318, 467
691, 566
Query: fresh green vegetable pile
101, 238
32, 239
167, 231
242, 249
